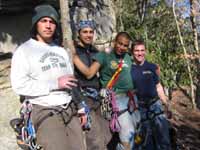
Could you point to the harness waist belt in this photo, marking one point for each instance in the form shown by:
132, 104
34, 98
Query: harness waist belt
147, 102
121, 94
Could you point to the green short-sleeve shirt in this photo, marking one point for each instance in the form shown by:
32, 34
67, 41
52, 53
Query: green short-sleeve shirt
109, 64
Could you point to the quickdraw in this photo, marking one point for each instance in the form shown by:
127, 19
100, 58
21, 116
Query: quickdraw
25, 131
85, 110
106, 106
114, 123
109, 108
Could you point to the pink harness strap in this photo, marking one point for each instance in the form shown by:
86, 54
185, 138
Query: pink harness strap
114, 123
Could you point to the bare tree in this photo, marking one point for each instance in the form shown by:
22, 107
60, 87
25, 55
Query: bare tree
66, 28
141, 9
193, 15
186, 59
67, 37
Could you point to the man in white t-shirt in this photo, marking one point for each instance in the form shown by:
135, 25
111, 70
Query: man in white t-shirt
41, 71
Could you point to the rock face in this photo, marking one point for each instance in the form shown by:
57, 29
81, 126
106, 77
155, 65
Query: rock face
15, 6
14, 28
9, 105
102, 12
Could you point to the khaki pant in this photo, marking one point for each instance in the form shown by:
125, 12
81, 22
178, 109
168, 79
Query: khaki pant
99, 135
53, 134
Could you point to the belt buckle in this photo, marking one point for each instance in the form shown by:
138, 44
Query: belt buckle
64, 106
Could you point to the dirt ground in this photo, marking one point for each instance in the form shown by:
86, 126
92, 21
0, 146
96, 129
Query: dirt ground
185, 121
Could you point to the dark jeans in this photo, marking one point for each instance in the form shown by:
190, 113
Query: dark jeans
157, 127
53, 134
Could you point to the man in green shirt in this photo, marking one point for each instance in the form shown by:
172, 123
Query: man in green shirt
108, 65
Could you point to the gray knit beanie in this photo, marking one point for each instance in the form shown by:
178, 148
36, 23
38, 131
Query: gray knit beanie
44, 11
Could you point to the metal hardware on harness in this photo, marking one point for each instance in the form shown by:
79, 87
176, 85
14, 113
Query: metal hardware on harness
147, 102
26, 135
109, 107
133, 102
114, 123
28, 131
90, 92
85, 111
106, 106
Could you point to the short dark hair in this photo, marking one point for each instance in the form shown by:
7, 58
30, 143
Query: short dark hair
137, 42
124, 34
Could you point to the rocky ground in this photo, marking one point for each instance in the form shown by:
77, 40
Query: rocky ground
185, 120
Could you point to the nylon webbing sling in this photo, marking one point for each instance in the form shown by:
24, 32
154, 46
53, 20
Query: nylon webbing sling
115, 76
114, 123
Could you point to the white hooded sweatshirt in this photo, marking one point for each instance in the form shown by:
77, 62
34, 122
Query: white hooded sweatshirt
35, 70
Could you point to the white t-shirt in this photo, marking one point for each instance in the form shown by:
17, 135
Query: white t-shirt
35, 70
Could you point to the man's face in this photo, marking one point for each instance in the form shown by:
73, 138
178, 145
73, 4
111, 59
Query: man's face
121, 45
139, 53
86, 35
45, 29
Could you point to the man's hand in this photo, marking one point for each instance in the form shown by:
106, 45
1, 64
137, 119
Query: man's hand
167, 111
67, 82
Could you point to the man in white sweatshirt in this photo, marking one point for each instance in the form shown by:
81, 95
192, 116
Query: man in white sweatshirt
41, 71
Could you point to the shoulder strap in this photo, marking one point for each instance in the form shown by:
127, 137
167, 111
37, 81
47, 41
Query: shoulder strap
115, 76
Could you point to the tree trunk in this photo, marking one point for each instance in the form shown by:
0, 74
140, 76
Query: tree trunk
193, 23
141, 9
67, 38
66, 28
186, 59
193, 15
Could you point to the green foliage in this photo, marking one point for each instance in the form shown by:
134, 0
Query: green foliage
158, 30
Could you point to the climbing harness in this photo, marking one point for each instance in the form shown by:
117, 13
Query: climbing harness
25, 131
107, 94
133, 101
114, 122
109, 107
150, 114
106, 106
91, 93
66, 112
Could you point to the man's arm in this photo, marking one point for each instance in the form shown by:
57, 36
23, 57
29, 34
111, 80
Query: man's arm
159, 87
89, 72
161, 93
164, 99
